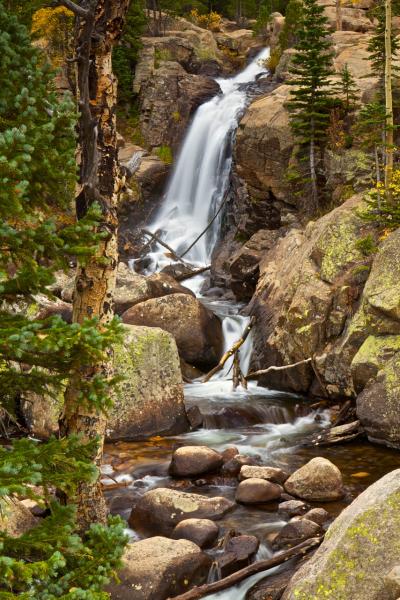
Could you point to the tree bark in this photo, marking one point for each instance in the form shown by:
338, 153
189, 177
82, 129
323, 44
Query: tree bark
100, 181
339, 20
388, 97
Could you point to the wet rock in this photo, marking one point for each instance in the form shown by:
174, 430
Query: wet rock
196, 330
195, 417
229, 453
149, 400
268, 473
295, 532
318, 480
233, 466
202, 532
292, 508
256, 491
354, 558
239, 551
160, 510
317, 515
190, 372
158, 568
270, 588
191, 461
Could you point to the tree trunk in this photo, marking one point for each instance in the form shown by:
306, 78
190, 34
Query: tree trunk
313, 172
339, 20
100, 182
388, 97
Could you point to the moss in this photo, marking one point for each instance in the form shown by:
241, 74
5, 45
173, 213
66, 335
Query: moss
376, 350
205, 53
161, 55
367, 245
165, 153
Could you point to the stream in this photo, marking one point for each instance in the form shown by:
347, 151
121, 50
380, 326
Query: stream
257, 421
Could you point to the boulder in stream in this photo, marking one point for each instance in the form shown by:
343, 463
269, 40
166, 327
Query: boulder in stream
197, 331
292, 508
318, 480
257, 491
160, 510
191, 461
202, 532
158, 568
239, 551
268, 473
295, 532
360, 548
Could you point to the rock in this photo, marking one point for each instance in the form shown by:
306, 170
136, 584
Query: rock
295, 532
197, 331
292, 508
353, 19
202, 532
317, 515
51, 308
264, 145
190, 461
158, 568
255, 491
160, 510
149, 400
270, 588
355, 557
318, 480
195, 417
373, 355
233, 466
41, 413
268, 473
229, 453
15, 518
392, 582
238, 552
378, 405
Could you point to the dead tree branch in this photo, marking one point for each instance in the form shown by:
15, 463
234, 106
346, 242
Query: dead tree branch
79, 11
231, 351
192, 274
262, 565
171, 250
256, 374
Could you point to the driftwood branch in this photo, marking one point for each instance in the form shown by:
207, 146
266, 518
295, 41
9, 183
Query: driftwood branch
171, 250
262, 565
256, 374
335, 435
79, 11
192, 274
231, 352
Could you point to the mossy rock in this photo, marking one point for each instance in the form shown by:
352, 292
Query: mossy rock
372, 357
361, 546
149, 400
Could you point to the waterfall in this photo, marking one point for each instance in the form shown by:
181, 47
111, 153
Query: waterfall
201, 177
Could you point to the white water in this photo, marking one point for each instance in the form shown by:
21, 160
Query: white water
201, 176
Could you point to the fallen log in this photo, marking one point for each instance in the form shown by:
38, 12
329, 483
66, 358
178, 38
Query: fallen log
171, 250
192, 274
335, 435
262, 565
256, 374
231, 352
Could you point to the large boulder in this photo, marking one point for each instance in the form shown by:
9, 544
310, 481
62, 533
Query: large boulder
295, 532
257, 491
356, 555
196, 330
202, 532
160, 510
149, 399
15, 518
318, 480
159, 568
190, 461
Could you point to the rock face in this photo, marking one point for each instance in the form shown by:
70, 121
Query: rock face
160, 510
355, 557
318, 480
256, 491
159, 568
149, 400
194, 460
197, 331
202, 532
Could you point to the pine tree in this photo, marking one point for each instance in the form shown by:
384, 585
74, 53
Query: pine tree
38, 236
311, 97
348, 90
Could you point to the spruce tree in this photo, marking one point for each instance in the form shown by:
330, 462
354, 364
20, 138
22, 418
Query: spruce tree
311, 97
38, 236
348, 90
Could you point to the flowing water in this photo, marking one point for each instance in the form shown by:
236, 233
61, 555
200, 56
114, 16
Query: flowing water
259, 422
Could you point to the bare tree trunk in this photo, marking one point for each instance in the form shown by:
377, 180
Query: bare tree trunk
339, 19
313, 172
378, 175
388, 97
100, 181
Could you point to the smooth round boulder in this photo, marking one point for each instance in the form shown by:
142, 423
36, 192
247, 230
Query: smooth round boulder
318, 515
202, 532
232, 467
191, 461
292, 508
268, 473
318, 480
295, 532
256, 491
160, 510
197, 331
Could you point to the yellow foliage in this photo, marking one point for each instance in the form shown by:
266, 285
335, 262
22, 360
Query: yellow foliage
211, 21
54, 25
